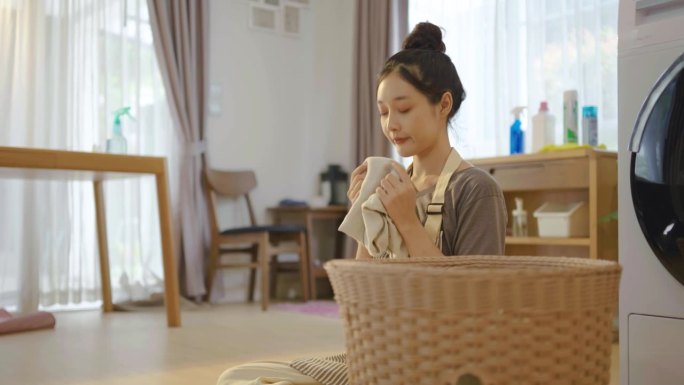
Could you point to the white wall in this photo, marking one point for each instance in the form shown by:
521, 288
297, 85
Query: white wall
286, 101
285, 107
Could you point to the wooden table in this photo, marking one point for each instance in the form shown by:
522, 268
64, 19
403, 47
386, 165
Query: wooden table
310, 215
42, 164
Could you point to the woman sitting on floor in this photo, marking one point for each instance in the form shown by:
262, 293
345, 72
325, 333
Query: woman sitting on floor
419, 92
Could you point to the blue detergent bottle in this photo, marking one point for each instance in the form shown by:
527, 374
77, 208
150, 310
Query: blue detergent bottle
517, 138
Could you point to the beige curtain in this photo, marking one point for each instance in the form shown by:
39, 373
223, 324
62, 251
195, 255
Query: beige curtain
179, 29
381, 25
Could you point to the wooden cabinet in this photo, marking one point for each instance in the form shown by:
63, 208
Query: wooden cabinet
564, 176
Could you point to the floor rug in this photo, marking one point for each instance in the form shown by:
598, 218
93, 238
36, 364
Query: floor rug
320, 308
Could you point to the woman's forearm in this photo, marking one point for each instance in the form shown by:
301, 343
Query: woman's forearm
417, 240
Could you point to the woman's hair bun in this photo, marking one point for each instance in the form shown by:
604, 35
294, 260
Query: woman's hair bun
426, 36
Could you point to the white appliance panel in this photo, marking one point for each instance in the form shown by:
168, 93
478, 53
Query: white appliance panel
655, 350
651, 38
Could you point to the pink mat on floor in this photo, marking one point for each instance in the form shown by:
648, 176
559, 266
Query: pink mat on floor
320, 308
34, 321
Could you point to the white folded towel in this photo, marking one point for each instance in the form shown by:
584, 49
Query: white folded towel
368, 222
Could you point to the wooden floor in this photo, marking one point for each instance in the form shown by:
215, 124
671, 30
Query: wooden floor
137, 348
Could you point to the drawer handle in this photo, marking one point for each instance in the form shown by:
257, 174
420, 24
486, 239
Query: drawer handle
492, 170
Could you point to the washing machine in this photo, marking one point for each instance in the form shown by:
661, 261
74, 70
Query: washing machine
651, 191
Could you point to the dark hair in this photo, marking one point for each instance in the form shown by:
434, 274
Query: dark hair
423, 63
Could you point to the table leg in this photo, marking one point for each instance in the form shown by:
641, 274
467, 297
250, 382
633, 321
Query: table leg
171, 293
313, 255
304, 267
102, 244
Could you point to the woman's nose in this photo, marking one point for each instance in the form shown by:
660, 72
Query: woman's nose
392, 124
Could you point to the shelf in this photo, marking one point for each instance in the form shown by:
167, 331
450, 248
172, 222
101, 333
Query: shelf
583, 174
548, 241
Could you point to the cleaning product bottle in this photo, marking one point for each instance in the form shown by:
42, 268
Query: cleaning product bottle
543, 128
590, 125
519, 219
517, 134
117, 143
570, 119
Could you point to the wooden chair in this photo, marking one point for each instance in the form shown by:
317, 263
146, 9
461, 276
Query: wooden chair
260, 242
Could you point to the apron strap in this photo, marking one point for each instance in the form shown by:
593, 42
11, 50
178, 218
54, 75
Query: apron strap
435, 209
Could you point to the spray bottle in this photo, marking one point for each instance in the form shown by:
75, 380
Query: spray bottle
517, 134
519, 219
117, 143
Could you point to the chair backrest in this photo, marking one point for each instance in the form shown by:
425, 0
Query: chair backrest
231, 184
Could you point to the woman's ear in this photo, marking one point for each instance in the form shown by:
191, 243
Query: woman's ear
446, 104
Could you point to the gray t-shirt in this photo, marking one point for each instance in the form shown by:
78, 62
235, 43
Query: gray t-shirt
474, 215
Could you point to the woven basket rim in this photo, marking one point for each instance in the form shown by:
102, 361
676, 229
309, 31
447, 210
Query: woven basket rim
502, 266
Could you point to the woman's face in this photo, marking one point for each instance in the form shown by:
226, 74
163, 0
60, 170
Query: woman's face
408, 120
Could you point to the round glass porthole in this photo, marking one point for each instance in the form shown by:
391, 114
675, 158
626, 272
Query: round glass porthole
657, 169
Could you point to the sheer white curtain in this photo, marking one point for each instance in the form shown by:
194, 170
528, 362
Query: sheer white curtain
65, 66
521, 52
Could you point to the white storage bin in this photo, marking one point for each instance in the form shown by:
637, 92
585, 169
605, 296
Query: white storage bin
563, 220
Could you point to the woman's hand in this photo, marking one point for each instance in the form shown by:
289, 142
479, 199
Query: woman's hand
398, 195
356, 179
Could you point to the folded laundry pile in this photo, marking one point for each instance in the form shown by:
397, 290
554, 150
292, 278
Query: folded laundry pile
33, 321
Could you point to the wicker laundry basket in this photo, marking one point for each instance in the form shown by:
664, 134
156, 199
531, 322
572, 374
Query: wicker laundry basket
477, 319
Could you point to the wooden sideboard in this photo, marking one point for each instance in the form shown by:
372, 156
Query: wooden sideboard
567, 176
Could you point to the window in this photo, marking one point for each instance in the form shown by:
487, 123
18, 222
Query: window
521, 52
66, 65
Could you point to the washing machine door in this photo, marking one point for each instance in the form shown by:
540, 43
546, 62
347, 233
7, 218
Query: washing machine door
657, 169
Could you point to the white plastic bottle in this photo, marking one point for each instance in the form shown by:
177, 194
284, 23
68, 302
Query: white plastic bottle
519, 219
543, 128
570, 117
